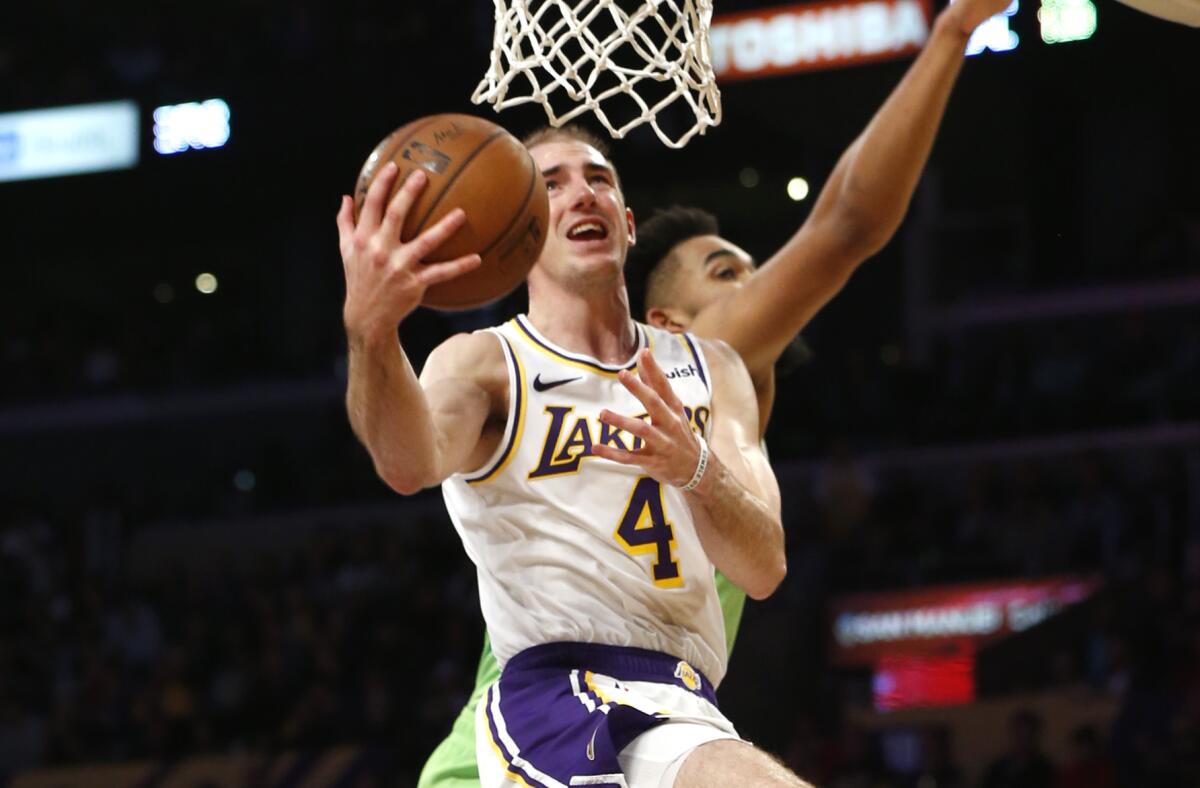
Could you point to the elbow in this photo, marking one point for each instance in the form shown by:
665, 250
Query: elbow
871, 242
865, 230
866, 238
769, 580
402, 481
403, 487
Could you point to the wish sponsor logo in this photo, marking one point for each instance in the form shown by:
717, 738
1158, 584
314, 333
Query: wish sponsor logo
683, 372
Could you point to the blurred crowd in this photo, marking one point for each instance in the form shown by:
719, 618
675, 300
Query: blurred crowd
367, 630
360, 635
996, 382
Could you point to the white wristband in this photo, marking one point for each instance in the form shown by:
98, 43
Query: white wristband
700, 466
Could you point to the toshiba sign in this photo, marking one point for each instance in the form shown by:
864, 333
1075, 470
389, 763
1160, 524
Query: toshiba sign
816, 36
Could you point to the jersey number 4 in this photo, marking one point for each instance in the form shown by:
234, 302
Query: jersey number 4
644, 529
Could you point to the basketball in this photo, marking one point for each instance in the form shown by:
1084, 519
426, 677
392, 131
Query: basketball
475, 165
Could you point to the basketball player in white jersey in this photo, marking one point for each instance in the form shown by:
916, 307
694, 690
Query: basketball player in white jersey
704, 283
573, 448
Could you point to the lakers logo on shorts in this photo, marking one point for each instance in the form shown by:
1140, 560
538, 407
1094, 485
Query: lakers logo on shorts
688, 675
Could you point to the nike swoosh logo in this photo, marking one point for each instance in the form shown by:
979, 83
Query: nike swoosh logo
591, 748
540, 385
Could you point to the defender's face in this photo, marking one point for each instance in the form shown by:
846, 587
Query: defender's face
590, 227
710, 268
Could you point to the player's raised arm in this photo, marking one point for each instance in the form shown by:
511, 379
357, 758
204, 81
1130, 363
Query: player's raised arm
417, 434
860, 207
731, 487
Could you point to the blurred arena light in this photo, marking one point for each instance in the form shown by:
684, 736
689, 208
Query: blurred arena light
748, 177
995, 34
904, 681
206, 283
1066, 20
194, 125
797, 189
68, 140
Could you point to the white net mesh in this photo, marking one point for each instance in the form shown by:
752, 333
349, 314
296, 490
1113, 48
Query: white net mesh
645, 65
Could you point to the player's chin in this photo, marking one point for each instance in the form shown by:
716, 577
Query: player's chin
600, 247
596, 259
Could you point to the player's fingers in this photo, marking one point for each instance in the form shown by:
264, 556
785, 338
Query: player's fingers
622, 456
639, 427
345, 224
402, 203
381, 187
637, 387
440, 272
648, 367
425, 243
659, 413
653, 375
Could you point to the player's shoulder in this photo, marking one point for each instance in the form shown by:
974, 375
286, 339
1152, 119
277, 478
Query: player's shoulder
477, 345
716, 318
717, 352
729, 372
477, 354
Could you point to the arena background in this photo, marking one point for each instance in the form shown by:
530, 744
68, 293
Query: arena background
203, 583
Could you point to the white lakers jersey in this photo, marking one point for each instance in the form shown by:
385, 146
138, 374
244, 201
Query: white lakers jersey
572, 547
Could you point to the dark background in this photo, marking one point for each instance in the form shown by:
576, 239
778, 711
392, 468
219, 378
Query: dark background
180, 475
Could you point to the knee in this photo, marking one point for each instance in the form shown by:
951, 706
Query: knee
732, 762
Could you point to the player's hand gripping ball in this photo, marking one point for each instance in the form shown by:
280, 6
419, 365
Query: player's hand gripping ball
475, 165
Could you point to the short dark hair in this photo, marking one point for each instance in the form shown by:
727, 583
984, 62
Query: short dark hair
650, 266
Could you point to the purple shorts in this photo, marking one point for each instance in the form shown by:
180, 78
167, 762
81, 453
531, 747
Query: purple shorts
561, 713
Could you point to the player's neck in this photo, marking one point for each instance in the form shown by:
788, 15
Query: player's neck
593, 324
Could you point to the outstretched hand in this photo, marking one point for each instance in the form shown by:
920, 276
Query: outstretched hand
966, 15
669, 449
385, 277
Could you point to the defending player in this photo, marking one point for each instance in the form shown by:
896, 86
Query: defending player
585, 493
697, 281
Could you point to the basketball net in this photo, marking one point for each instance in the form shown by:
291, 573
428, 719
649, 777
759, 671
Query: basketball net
593, 56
